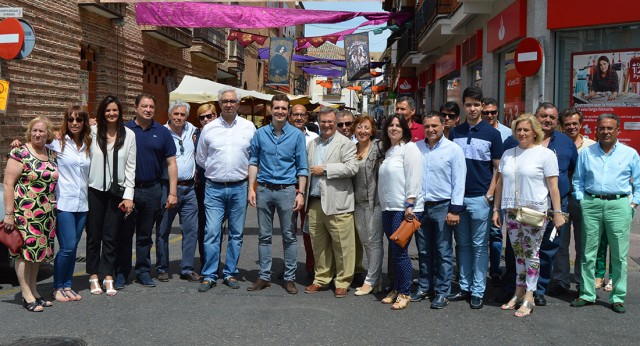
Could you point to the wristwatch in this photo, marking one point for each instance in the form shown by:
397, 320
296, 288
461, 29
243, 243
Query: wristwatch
489, 198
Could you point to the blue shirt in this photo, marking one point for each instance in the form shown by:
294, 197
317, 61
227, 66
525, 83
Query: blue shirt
565, 151
444, 173
280, 159
185, 152
481, 144
505, 131
607, 174
154, 146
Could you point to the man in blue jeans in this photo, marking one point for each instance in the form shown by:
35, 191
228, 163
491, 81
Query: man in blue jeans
565, 150
443, 182
482, 147
278, 161
223, 151
182, 132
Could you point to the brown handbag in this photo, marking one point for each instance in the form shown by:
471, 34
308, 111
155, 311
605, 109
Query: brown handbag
404, 233
11, 239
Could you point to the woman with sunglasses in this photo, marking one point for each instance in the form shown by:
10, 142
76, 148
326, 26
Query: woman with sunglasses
110, 200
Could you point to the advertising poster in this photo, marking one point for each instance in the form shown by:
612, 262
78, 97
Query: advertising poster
280, 52
513, 91
356, 49
608, 82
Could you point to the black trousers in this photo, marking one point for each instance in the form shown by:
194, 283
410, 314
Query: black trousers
103, 222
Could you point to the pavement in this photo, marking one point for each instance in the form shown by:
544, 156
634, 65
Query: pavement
176, 313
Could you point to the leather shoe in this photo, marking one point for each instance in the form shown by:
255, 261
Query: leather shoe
503, 297
206, 285
419, 295
476, 302
618, 307
540, 300
558, 291
232, 282
191, 277
462, 295
314, 288
579, 302
146, 280
258, 285
440, 302
340, 292
163, 277
290, 287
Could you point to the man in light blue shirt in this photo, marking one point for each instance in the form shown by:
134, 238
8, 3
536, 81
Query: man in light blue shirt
182, 133
443, 184
603, 181
278, 162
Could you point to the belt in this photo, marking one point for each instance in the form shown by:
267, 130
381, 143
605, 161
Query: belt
275, 186
186, 182
146, 185
582, 79
608, 197
229, 183
311, 198
431, 204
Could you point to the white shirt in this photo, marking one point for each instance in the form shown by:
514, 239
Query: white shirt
126, 164
309, 136
223, 149
400, 178
73, 170
533, 166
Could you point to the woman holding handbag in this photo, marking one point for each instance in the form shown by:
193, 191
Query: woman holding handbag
111, 188
400, 199
527, 177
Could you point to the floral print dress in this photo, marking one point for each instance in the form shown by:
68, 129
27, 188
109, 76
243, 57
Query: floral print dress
35, 204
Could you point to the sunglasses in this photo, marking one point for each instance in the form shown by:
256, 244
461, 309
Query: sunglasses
348, 123
448, 115
181, 146
75, 120
229, 101
208, 116
489, 112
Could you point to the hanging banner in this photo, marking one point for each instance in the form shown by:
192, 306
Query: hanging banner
245, 39
608, 82
280, 50
356, 50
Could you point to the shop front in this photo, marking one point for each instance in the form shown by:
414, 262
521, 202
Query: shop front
447, 72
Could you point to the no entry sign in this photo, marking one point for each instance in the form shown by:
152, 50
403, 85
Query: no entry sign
11, 38
528, 57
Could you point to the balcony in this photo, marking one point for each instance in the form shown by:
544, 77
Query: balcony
235, 59
107, 9
209, 44
430, 10
178, 37
408, 54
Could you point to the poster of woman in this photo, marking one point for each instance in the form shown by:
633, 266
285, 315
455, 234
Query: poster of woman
356, 49
280, 51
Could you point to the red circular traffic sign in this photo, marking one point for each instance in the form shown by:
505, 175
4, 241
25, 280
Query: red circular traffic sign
11, 38
528, 57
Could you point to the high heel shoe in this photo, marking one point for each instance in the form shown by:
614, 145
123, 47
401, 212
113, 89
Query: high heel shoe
95, 286
402, 302
527, 304
512, 304
391, 297
108, 286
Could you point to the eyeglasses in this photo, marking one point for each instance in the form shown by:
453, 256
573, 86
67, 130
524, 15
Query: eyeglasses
181, 146
75, 120
348, 123
208, 116
489, 112
301, 115
448, 115
229, 101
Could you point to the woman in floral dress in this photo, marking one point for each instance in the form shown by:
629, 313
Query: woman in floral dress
29, 198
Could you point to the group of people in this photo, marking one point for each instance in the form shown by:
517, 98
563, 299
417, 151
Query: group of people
344, 187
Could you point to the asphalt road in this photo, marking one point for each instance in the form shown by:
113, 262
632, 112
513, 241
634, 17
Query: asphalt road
175, 313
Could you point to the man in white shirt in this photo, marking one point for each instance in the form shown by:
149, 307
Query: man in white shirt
223, 151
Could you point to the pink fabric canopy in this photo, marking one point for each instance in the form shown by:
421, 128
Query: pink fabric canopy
212, 15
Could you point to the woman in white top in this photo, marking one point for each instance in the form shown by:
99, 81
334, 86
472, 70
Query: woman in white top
527, 175
72, 152
109, 201
400, 187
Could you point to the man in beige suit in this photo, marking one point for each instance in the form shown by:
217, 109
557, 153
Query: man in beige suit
332, 163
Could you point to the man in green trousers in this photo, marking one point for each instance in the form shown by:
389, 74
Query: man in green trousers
603, 181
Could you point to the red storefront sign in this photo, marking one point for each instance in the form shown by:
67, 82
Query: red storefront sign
513, 102
472, 48
406, 85
448, 63
431, 74
508, 26
563, 14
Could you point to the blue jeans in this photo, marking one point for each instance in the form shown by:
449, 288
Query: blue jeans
472, 239
187, 208
495, 246
435, 253
268, 201
218, 201
68, 232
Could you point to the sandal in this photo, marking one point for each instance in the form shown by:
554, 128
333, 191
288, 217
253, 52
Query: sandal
609, 286
599, 283
44, 303
33, 306
60, 296
526, 304
402, 302
512, 304
95, 286
108, 286
72, 295
391, 297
